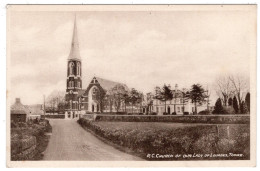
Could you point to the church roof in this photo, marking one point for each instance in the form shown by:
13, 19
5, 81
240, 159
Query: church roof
107, 84
19, 108
74, 50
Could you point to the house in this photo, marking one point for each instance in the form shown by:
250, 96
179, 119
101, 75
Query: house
19, 112
178, 105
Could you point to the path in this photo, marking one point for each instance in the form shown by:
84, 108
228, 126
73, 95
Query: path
69, 141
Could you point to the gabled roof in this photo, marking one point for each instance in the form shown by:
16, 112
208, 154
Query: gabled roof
19, 108
74, 50
107, 84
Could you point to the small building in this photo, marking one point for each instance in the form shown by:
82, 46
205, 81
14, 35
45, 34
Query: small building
19, 113
35, 110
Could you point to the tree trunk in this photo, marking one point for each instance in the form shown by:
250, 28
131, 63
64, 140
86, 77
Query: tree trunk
165, 106
125, 107
195, 108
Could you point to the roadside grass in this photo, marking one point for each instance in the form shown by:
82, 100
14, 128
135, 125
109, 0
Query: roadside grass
144, 138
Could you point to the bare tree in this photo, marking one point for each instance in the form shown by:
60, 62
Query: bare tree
223, 87
117, 95
56, 101
240, 85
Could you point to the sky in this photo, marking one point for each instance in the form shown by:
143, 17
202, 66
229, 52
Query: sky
139, 48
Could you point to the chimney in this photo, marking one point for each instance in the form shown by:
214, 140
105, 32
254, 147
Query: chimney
17, 100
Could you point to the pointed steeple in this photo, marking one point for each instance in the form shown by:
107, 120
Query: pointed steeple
74, 51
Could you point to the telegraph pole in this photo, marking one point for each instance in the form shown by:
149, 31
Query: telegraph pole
44, 105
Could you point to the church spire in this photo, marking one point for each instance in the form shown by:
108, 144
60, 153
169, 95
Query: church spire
74, 51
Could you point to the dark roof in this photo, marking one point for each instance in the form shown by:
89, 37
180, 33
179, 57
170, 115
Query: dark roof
107, 84
19, 108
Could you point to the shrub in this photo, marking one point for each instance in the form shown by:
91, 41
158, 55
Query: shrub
186, 113
228, 110
165, 113
204, 112
153, 113
121, 113
174, 113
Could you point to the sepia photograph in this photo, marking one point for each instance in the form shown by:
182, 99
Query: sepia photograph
104, 85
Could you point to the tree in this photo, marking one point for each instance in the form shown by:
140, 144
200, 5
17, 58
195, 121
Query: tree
240, 86
218, 109
117, 95
223, 87
235, 105
243, 108
230, 101
56, 101
134, 97
247, 101
126, 99
166, 94
197, 95
99, 97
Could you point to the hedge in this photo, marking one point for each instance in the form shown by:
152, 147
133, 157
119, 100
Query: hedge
217, 119
199, 139
60, 116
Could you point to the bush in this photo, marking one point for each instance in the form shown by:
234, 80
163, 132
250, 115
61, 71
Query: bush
54, 116
121, 113
228, 110
186, 113
174, 113
204, 112
153, 113
165, 113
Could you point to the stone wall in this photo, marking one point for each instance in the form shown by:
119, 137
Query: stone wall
23, 149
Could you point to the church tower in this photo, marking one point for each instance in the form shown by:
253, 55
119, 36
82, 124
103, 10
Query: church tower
74, 82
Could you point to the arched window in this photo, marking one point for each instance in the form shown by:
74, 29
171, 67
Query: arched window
78, 68
71, 68
94, 93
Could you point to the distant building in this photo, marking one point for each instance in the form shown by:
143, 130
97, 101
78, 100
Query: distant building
35, 111
19, 112
179, 104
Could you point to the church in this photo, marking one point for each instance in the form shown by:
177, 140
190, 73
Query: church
81, 101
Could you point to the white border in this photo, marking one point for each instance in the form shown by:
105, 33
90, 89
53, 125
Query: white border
3, 47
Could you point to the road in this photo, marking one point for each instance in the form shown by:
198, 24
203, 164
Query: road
69, 141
